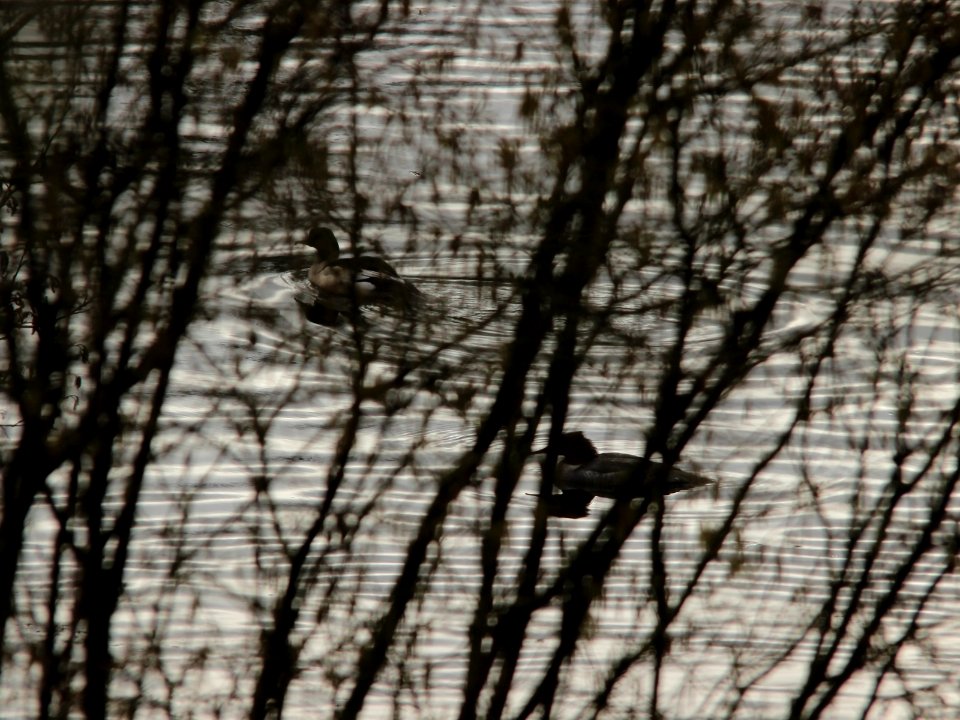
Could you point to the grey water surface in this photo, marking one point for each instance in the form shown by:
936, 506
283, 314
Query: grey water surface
258, 400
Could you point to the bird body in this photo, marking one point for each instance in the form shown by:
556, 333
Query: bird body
365, 278
606, 474
582, 473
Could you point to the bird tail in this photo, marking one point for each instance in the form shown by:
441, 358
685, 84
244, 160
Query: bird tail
685, 480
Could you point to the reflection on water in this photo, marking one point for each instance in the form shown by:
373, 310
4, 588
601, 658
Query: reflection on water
261, 391
250, 454
246, 500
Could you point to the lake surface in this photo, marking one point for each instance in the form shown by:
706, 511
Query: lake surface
788, 548
260, 395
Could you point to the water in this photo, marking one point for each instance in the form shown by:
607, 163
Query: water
296, 374
260, 396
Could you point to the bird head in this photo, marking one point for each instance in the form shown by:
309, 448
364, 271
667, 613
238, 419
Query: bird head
574, 447
324, 242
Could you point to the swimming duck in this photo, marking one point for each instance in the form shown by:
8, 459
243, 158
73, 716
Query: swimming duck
582, 473
366, 278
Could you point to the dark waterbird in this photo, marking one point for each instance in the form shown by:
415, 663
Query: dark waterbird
582, 474
364, 278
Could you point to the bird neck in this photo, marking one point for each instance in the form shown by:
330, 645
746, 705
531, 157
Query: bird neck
564, 471
328, 257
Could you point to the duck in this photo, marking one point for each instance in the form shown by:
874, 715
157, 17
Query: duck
365, 278
582, 473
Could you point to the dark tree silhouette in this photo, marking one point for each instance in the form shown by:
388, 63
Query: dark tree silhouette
705, 224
